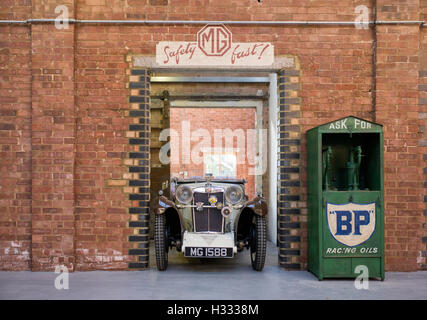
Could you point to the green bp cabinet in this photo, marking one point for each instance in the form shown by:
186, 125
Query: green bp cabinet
345, 185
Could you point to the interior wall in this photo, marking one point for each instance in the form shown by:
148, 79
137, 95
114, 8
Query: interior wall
208, 120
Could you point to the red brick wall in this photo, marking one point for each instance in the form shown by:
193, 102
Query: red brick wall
15, 140
422, 101
397, 110
102, 98
53, 141
211, 119
75, 100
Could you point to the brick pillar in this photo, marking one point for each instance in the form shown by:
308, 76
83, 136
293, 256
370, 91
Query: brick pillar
398, 110
139, 167
53, 136
288, 198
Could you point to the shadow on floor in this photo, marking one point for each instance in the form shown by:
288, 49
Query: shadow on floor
240, 259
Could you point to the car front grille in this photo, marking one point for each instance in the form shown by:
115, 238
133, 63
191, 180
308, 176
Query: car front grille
209, 219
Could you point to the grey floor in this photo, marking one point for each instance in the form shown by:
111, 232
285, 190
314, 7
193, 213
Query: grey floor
195, 279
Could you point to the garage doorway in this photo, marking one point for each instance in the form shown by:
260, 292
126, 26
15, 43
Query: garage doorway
246, 93
280, 85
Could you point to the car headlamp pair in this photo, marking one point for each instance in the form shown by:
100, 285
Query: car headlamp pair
233, 194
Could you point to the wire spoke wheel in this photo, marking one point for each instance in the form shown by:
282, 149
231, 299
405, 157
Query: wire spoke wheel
258, 247
160, 242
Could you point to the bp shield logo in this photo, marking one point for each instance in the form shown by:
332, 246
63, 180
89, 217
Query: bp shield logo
351, 224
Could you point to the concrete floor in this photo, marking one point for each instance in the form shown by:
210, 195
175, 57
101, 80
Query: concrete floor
197, 279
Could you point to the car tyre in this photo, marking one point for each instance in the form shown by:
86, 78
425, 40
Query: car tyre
258, 247
160, 242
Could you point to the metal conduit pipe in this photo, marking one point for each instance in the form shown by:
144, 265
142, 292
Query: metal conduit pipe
203, 22
374, 63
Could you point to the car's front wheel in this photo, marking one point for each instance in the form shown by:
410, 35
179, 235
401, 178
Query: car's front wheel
160, 242
258, 246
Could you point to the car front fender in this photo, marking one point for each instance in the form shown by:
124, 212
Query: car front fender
258, 205
162, 203
173, 216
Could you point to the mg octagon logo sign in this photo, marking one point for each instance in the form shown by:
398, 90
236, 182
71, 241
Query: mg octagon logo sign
213, 46
214, 40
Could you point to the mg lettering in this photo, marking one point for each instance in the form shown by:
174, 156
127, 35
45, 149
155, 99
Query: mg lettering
197, 251
214, 40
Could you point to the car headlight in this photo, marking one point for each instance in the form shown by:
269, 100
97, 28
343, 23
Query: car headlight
234, 194
184, 194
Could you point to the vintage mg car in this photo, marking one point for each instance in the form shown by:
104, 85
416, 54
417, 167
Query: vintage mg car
209, 218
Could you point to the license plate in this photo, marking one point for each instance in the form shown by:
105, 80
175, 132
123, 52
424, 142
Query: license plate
208, 252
